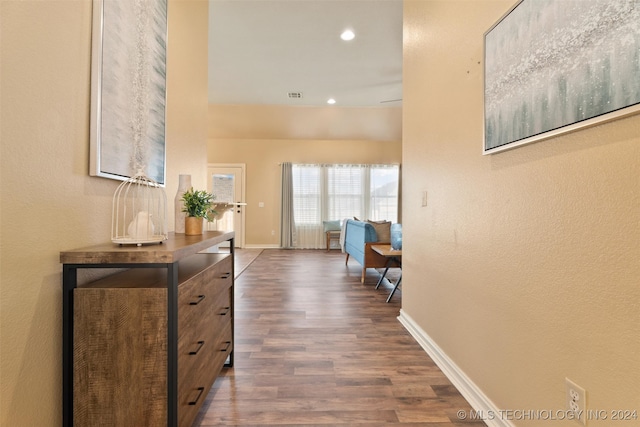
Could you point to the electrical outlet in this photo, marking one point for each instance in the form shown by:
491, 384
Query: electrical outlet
424, 198
576, 401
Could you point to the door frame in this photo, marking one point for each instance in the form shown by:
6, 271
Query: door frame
243, 193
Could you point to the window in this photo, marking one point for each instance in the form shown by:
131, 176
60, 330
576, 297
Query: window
384, 193
306, 195
330, 192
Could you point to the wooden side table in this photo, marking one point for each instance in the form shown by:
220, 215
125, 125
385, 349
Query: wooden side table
332, 235
392, 256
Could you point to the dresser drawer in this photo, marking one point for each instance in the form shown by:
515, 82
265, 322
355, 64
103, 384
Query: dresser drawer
221, 276
204, 330
201, 293
225, 347
198, 372
199, 319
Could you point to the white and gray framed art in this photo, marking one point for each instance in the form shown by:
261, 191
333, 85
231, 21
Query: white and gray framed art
555, 66
128, 89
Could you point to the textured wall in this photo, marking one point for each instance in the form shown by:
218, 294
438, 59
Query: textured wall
48, 201
305, 122
524, 265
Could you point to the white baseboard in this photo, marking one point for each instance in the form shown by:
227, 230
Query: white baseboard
484, 407
261, 246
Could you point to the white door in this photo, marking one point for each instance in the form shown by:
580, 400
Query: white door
226, 182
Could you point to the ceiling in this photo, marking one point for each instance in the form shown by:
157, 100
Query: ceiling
262, 50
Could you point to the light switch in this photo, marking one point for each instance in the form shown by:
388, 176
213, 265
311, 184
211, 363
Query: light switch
261, 204
424, 198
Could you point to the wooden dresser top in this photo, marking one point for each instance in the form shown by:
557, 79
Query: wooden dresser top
176, 247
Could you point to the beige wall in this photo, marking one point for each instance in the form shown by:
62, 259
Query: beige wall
524, 265
48, 201
305, 122
263, 158
187, 91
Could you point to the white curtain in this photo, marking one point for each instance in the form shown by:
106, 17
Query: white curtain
336, 192
308, 205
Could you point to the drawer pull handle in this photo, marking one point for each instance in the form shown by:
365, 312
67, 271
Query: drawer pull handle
228, 344
226, 310
200, 344
225, 275
198, 301
200, 391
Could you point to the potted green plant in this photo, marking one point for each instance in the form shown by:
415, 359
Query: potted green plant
198, 205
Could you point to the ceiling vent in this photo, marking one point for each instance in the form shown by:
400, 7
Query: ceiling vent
295, 95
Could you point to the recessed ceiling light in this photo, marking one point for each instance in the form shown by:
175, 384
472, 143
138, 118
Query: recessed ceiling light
331, 101
347, 35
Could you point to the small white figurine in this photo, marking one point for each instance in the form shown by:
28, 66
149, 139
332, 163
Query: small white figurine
141, 228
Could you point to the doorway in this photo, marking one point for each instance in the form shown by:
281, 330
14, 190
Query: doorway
226, 182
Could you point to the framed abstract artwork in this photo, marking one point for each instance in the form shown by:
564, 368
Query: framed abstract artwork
555, 66
128, 89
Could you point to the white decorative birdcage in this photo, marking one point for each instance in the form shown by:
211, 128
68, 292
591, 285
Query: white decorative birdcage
139, 214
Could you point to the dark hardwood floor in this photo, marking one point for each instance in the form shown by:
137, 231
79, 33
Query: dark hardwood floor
315, 347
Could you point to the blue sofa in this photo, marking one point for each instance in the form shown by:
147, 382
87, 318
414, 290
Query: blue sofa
359, 236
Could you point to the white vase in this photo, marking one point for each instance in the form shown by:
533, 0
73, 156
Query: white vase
184, 184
